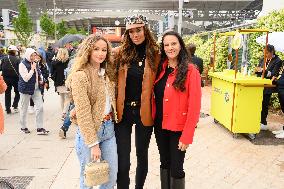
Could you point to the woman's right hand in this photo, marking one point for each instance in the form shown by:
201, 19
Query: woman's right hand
96, 152
33, 66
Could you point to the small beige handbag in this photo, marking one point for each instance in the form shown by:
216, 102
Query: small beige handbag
96, 173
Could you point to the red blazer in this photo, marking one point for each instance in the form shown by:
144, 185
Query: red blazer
181, 109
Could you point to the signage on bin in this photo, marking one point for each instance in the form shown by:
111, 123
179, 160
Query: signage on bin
227, 97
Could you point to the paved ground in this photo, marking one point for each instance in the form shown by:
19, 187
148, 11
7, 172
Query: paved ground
215, 160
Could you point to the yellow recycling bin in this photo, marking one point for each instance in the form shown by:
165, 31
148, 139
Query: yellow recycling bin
237, 103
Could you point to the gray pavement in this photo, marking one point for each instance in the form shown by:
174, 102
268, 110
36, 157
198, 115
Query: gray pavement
215, 160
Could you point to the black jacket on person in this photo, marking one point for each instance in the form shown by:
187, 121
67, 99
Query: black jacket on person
58, 75
49, 56
8, 72
272, 70
198, 62
45, 75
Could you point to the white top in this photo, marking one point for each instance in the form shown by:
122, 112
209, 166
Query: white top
108, 103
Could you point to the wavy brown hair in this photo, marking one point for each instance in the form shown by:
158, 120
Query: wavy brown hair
127, 52
82, 57
183, 60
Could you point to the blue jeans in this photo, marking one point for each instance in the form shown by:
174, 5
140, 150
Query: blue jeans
108, 151
67, 122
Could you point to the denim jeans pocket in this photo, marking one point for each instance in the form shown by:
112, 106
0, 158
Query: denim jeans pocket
106, 131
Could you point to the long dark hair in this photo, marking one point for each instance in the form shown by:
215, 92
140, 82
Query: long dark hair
183, 60
128, 52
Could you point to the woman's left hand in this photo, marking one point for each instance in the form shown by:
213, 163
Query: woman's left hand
182, 146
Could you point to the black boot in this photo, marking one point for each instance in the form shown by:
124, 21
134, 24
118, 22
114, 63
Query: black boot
165, 178
62, 132
177, 183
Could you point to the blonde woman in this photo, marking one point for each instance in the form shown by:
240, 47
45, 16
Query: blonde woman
58, 66
92, 84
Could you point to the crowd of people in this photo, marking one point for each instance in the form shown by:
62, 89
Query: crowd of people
27, 71
107, 92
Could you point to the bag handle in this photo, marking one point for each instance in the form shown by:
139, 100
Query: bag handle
13, 66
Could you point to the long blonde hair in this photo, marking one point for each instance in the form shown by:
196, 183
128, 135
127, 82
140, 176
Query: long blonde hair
82, 57
62, 55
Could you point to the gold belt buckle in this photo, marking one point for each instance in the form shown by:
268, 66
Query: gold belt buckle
133, 103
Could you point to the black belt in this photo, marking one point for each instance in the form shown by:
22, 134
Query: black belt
133, 103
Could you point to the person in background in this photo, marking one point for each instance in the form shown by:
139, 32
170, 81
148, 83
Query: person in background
2, 54
49, 56
92, 84
42, 52
44, 71
176, 104
3, 87
58, 66
195, 59
137, 59
67, 121
70, 48
273, 64
280, 87
29, 87
10, 72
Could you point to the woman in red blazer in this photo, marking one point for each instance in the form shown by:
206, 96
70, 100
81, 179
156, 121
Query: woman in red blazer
175, 108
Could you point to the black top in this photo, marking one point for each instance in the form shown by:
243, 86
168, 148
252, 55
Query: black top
135, 73
198, 62
159, 89
273, 66
58, 72
10, 72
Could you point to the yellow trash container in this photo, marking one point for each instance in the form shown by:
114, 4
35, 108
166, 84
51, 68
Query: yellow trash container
237, 103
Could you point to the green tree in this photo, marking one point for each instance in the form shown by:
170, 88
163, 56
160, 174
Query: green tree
47, 24
61, 29
274, 22
72, 30
83, 31
23, 24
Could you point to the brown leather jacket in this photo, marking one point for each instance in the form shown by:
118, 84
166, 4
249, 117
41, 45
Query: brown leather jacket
147, 87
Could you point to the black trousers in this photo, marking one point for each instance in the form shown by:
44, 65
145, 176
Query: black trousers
281, 100
123, 130
10, 84
265, 105
170, 156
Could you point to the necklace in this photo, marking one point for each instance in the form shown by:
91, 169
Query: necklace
141, 62
171, 66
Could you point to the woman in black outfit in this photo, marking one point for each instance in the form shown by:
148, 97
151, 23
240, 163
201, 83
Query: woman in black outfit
137, 60
58, 66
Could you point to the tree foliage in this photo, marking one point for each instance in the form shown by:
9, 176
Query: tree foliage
47, 24
23, 24
274, 22
61, 29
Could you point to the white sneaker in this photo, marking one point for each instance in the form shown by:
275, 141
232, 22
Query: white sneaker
263, 127
31, 110
280, 135
277, 132
16, 110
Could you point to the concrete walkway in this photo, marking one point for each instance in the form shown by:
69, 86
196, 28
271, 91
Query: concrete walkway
215, 160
